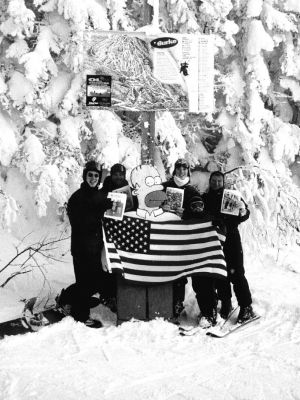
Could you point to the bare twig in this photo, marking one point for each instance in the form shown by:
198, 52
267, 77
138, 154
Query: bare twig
30, 249
12, 276
42, 248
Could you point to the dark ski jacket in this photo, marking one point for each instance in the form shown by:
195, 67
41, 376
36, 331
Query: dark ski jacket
109, 186
189, 193
233, 250
85, 210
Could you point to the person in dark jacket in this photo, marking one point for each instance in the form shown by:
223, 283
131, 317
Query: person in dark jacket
85, 210
181, 180
233, 250
117, 180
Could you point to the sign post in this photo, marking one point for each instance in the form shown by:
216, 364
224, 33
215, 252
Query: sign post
148, 117
143, 301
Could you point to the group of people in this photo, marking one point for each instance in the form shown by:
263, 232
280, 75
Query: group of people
208, 291
86, 208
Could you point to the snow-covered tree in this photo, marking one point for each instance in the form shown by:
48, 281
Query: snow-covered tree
47, 133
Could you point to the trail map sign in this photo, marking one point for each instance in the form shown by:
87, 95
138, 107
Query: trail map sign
149, 73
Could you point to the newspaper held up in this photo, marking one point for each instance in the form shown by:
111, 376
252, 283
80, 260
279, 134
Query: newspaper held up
231, 202
174, 198
129, 200
118, 208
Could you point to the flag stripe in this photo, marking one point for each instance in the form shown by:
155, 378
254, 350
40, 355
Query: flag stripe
211, 271
168, 273
187, 247
175, 266
179, 226
178, 242
169, 254
185, 229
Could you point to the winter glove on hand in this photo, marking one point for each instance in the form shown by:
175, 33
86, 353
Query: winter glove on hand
241, 205
166, 207
179, 211
242, 208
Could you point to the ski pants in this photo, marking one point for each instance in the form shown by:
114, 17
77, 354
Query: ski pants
178, 295
236, 276
90, 279
204, 287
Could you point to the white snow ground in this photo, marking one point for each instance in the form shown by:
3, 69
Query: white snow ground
139, 360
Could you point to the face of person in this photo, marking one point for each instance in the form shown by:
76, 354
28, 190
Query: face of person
92, 178
117, 178
181, 171
216, 182
197, 206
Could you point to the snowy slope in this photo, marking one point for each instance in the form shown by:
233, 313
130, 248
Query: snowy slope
139, 360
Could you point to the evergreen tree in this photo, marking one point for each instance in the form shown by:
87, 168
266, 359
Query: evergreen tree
47, 133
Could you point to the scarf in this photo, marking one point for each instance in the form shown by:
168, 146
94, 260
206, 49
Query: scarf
181, 182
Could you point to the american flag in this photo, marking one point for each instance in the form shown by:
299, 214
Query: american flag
157, 252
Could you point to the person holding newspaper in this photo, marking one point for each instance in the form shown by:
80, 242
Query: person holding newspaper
180, 181
116, 179
184, 201
117, 182
85, 210
233, 250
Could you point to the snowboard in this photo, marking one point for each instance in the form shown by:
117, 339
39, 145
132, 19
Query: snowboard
33, 323
34, 318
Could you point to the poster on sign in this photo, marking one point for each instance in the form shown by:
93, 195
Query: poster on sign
153, 72
186, 60
98, 91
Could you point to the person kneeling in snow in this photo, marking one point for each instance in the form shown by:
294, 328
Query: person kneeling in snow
85, 210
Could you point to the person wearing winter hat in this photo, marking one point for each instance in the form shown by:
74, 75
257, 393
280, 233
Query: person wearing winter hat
85, 210
116, 179
233, 250
197, 206
181, 179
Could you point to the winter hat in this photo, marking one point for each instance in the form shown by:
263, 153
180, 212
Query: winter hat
92, 166
182, 162
118, 168
196, 199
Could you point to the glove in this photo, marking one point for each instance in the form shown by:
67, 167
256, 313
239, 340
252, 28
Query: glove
179, 211
166, 207
241, 205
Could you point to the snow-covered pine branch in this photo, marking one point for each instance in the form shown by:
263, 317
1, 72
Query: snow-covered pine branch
47, 133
